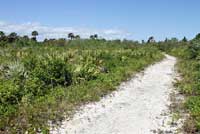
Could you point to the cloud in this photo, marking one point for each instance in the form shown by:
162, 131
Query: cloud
61, 32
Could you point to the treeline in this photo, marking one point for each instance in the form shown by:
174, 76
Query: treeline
17, 40
71, 40
14, 37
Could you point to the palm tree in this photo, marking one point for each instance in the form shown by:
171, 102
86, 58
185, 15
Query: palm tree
184, 39
151, 39
91, 36
143, 41
166, 40
71, 36
95, 36
34, 34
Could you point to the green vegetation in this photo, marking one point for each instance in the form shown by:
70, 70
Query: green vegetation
43, 82
188, 53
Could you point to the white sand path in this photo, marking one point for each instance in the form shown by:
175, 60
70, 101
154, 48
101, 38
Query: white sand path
137, 106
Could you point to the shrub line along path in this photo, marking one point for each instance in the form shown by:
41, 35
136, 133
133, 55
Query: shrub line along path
137, 107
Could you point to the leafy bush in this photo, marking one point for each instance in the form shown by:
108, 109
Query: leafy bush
52, 71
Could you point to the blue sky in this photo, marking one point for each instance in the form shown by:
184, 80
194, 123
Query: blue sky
132, 19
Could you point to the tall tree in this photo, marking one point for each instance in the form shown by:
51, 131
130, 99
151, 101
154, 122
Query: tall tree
34, 34
166, 40
95, 36
184, 39
91, 36
143, 41
71, 36
151, 39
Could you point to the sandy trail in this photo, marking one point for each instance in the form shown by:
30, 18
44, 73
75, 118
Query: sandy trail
137, 107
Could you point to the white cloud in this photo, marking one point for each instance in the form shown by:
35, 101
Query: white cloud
60, 32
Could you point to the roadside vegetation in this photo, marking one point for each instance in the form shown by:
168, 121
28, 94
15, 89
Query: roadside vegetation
188, 53
41, 83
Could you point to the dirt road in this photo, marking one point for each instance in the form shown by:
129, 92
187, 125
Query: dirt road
139, 106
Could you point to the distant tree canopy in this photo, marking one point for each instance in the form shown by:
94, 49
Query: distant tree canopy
166, 40
15, 39
25, 37
174, 39
12, 37
143, 41
35, 34
77, 37
25, 40
151, 40
184, 39
71, 36
95, 36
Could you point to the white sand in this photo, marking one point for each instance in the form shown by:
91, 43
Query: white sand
137, 107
